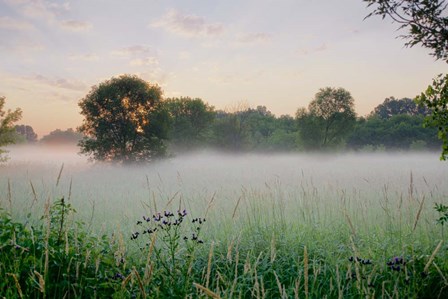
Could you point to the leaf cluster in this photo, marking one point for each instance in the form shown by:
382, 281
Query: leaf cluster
425, 20
7, 130
435, 97
443, 212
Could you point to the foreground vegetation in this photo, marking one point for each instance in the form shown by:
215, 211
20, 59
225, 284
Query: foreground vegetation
250, 227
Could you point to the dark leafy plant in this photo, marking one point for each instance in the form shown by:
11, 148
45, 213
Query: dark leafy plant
443, 213
172, 244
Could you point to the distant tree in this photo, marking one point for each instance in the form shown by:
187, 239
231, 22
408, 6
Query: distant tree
124, 121
427, 25
398, 132
231, 128
7, 129
330, 118
59, 137
27, 132
191, 121
243, 128
285, 136
392, 106
260, 127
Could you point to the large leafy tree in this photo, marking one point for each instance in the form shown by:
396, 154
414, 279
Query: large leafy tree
8, 133
426, 22
191, 121
329, 119
124, 121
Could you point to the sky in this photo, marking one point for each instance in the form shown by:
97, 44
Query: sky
275, 53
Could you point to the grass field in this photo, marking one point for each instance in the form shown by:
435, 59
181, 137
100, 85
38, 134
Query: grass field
276, 226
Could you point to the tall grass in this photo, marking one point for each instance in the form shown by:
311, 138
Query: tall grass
276, 227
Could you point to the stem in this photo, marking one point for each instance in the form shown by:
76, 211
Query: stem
62, 220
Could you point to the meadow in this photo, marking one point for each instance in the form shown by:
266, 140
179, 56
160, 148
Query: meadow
224, 226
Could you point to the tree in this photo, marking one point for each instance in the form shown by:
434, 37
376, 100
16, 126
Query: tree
231, 128
124, 121
425, 20
27, 132
436, 98
59, 137
284, 136
329, 120
427, 24
7, 130
397, 132
191, 121
392, 106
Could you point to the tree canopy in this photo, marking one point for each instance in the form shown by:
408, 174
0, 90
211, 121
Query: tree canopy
392, 106
7, 129
329, 119
124, 121
436, 98
191, 121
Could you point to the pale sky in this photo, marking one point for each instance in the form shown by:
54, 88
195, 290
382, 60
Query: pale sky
262, 52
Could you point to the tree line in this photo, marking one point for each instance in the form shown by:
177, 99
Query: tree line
127, 120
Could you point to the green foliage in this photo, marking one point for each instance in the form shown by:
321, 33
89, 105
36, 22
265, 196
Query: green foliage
191, 121
254, 129
391, 107
329, 120
398, 132
426, 22
436, 98
54, 259
443, 213
7, 129
124, 121
231, 130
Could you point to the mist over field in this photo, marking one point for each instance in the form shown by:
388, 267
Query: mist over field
193, 179
262, 211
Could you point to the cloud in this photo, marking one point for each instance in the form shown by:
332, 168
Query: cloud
144, 61
138, 55
184, 55
84, 57
76, 26
134, 51
188, 25
254, 38
40, 9
14, 24
306, 51
21, 46
58, 82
